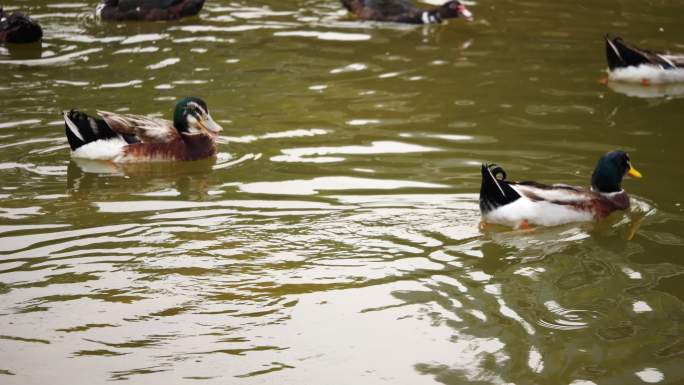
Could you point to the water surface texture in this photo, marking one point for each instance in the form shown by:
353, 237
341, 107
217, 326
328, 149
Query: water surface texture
335, 238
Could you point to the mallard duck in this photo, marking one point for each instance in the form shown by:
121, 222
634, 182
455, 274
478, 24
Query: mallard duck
18, 28
134, 138
631, 64
404, 11
521, 204
148, 10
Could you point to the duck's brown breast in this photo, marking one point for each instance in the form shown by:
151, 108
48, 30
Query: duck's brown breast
189, 148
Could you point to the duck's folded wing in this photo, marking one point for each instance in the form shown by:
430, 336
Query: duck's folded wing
146, 129
127, 5
677, 60
555, 193
391, 7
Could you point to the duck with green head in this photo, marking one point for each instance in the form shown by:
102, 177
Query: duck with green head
521, 204
125, 138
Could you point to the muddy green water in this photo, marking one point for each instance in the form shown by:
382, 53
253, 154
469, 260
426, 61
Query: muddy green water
335, 238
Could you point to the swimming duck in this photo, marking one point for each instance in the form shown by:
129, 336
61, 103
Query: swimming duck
134, 138
631, 64
147, 10
18, 28
521, 204
404, 11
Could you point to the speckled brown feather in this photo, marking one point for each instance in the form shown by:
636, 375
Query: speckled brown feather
146, 129
599, 205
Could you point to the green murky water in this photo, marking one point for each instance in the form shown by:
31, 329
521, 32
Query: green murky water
335, 238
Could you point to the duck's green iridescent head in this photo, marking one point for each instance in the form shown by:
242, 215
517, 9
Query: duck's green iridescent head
191, 117
610, 170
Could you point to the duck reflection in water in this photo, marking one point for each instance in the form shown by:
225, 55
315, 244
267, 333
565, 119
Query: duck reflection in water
106, 180
21, 51
654, 91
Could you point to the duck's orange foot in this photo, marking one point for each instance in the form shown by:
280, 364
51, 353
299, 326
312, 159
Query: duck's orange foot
645, 82
603, 81
525, 225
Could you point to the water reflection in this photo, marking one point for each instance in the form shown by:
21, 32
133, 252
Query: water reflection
554, 293
21, 52
90, 179
48, 60
653, 91
318, 154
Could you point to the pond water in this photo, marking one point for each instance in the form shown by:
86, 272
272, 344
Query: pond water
335, 238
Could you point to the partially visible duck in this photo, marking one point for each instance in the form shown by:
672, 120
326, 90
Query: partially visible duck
404, 11
631, 64
521, 204
18, 28
134, 138
148, 10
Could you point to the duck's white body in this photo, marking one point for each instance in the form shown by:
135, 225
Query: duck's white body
103, 149
538, 213
646, 73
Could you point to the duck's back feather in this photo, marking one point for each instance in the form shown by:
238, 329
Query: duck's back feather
145, 129
554, 193
403, 11
563, 194
126, 5
391, 7
560, 203
149, 10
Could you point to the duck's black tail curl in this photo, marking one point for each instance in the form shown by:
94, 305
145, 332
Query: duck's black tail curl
495, 192
82, 129
620, 54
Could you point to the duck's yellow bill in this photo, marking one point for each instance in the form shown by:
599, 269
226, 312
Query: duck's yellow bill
633, 172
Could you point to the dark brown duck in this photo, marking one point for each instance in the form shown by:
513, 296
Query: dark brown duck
148, 10
404, 11
18, 28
